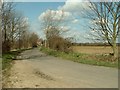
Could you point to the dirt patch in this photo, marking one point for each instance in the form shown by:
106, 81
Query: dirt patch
25, 75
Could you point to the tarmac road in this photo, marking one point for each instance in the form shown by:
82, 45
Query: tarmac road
38, 70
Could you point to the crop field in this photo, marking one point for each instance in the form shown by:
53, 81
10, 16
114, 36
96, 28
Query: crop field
92, 49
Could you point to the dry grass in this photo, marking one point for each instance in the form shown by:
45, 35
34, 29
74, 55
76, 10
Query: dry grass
83, 57
92, 49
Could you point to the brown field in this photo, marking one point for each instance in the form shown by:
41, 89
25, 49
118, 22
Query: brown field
92, 49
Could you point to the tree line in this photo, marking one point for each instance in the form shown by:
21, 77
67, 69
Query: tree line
14, 29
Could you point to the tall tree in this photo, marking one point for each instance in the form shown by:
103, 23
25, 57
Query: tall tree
52, 23
105, 17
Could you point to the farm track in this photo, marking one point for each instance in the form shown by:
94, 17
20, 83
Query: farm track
34, 69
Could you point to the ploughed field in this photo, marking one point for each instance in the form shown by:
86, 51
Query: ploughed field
93, 49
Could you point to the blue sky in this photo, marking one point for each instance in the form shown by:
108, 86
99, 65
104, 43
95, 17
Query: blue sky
32, 10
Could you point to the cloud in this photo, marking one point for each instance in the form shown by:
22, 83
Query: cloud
75, 6
56, 14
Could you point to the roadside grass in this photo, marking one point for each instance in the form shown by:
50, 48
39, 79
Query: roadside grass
6, 63
8, 57
99, 60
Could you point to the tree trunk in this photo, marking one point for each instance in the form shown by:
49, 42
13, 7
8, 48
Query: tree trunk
114, 49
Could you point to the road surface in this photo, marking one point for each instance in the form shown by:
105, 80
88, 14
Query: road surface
38, 70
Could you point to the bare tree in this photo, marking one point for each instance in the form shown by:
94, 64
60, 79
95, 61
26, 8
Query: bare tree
13, 26
34, 39
52, 23
6, 10
105, 17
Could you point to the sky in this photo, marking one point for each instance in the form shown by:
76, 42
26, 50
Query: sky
33, 11
77, 24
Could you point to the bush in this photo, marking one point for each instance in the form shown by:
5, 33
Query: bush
60, 44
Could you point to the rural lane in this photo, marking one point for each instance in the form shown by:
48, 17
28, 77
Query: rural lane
38, 70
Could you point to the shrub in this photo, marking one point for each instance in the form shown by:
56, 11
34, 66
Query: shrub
60, 44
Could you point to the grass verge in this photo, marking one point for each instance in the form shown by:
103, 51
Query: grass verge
99, 60
8, 57
7, 61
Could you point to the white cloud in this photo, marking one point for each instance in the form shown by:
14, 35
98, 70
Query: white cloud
70, 8
75, 6
56, 14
